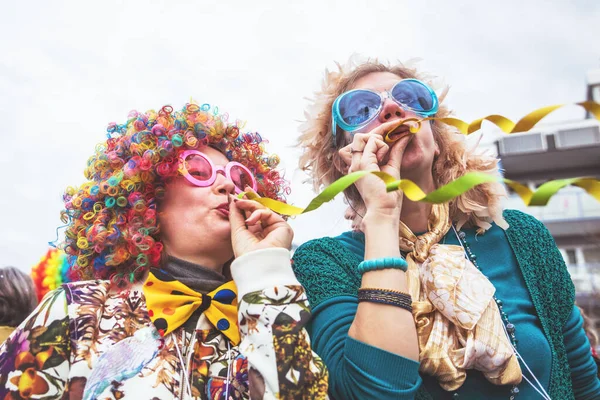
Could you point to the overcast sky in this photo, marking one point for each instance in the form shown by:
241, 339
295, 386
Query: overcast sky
67, 68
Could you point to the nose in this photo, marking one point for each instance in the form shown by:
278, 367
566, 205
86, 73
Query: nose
390, 111
223, 185
349, 214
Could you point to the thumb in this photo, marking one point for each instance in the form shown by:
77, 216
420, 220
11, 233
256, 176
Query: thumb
241, 237
397, 152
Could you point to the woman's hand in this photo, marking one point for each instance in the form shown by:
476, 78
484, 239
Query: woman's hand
255, 227
368, 152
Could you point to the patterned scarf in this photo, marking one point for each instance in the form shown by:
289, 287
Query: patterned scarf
458, 322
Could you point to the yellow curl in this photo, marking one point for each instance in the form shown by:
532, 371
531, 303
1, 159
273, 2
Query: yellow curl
442, 195
506, 125
82, 243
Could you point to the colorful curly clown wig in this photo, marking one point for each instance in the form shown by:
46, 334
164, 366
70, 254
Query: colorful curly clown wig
50, 272
112, 230
320, 159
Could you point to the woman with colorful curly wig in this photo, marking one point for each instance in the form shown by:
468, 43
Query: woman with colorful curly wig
179, 288
458, 300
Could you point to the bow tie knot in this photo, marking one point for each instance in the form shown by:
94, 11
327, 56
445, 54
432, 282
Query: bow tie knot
171, 303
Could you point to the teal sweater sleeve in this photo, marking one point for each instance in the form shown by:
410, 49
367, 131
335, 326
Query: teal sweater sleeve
584, 373
357, 370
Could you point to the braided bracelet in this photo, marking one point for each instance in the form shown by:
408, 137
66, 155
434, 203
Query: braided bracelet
382, 263
385, 296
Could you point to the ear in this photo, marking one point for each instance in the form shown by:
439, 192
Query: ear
437, 151
436, 144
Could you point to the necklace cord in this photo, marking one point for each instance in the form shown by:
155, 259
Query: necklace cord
228, 370
539, 389
183, 366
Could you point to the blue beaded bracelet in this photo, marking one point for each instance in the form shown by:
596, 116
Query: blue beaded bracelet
382, 263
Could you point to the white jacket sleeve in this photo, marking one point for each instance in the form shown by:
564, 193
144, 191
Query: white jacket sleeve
273, 312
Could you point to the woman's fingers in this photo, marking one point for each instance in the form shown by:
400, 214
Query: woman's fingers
236, 217
371, 154
248, 205
346, 154
359, 153
358, 146
254, 227
258, 216
258, 213
397, 152
377, 147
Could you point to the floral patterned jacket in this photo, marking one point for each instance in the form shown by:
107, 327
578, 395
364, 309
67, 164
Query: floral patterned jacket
86, 341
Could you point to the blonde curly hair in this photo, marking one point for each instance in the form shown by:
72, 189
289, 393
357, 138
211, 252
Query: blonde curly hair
320, 159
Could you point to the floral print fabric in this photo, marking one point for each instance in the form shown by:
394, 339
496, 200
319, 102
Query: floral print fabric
85, 341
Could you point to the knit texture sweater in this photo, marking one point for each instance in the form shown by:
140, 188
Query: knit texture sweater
327, 269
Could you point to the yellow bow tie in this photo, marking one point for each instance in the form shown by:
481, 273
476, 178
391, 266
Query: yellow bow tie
171, 303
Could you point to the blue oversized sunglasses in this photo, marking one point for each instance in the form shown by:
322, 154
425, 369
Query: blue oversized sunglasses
354, 109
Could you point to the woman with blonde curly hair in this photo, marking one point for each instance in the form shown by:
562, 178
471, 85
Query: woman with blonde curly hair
457, 300
154, 238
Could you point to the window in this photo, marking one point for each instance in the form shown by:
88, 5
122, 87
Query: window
591, 255
571, 256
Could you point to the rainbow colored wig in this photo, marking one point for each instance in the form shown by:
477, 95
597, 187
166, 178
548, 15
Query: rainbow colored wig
112, 230
50, 272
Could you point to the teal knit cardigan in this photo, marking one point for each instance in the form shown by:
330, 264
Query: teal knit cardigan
542, 265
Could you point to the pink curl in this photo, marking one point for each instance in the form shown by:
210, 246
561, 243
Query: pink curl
164, 169
134, 197
139, 125
166, 110
146, 164
158, 130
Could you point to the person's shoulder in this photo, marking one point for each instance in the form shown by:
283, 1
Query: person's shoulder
523, 222
521, 216
324, 243
324, 248
330, 244
326, 255
96, 291
326, 268
88, 286
532, 241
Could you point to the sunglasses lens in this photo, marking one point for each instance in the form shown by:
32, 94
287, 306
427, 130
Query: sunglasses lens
198, 167
241, 177
415, 95
358, 106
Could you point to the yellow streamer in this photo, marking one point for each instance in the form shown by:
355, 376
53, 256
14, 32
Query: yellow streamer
539, 197
505, 124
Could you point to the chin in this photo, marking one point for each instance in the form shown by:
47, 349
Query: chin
221, 232
412, 165
219, 229
415, 171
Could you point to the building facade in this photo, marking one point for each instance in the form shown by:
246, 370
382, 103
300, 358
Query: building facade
560, 151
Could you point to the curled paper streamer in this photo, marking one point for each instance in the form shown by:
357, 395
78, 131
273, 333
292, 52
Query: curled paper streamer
542, 194
540, 197
505, 124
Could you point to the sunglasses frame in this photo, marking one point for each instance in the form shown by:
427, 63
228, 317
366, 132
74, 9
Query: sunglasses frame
226, 171
386, 94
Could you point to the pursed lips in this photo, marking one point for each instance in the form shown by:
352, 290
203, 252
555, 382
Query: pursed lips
399, 131
223, 209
